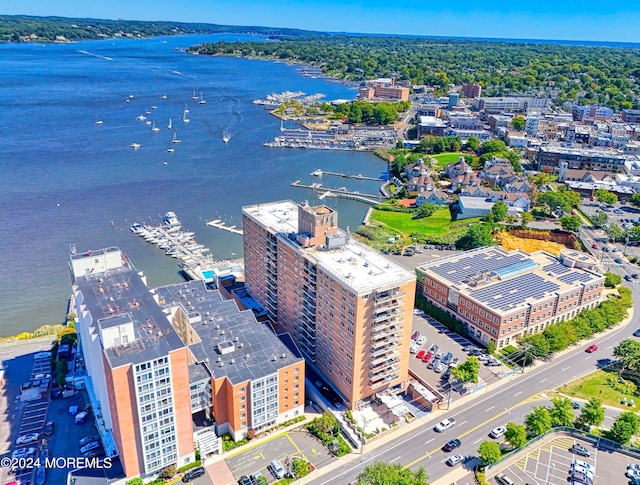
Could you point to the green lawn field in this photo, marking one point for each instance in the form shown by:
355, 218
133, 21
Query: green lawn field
445, 158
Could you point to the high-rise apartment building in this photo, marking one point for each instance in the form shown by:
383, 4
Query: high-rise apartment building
163, 361
347, 307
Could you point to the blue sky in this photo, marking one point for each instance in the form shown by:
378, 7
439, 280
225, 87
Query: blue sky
537, 19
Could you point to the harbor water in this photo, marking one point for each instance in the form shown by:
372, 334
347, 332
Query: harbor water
69, 174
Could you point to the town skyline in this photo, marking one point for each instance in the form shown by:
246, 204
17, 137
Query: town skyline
543, 20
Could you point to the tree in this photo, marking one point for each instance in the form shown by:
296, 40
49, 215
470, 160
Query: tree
561, 412
493, 146
516, 435
135, 481
538, 421
473, 143
491, 347
525, 218
624, 428
593, 412
489, 452
425, 210
381, 473
477, 235
600, 219
169, 472
606, 197
628, 354
467, 371
635, 199
611, 280
518, 122
499, 211
570, 223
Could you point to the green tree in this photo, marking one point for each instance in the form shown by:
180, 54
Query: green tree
477, 235
538, 421
611, 280
355, 114
561, 412
425, 210
381, 473
491, 347
628, 354
624, 428
516, 435
635, 199
570, 223
593, 412
600, 219
473, 143
169, 472
518, 122
499, 211
489, 452
135, 481
493, 146
468, 370
616, 233
525, 218
605, 196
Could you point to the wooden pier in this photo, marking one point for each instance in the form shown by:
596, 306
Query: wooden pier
218, 224
370, 199
318, 172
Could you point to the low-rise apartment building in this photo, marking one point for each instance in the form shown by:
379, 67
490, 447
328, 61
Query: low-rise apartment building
578, 158
502, 295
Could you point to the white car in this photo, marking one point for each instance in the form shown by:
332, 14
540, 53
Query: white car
454, 460
25, 439
23, 453
497, 432
42, 355
421, 340
417, 311
584, 464
414, 348
445, 424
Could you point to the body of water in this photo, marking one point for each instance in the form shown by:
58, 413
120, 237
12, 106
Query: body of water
66, 179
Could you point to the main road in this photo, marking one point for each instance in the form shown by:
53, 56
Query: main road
476, 418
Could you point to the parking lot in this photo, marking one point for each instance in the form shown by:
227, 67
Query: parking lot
549, 464
447, 342
281, 447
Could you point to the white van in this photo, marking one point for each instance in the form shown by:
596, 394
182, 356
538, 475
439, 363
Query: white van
276, 468
504, 480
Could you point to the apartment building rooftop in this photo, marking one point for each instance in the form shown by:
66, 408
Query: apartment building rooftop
353, 264
230, 343
503, 280
126, 317
582, 151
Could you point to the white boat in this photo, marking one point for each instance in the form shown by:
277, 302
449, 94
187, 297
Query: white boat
170, 150
226, 138
99, 122
175, 138
195, 96
171, 219
154, 128
135, 146
141, 117
164, 96
202, 100
148, 123
170, 125
136, 228
184, 116
154, 107
317, 172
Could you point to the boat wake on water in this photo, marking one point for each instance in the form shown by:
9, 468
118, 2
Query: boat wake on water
96, 55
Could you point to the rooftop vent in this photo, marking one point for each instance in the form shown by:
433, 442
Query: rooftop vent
283, 356
232, 361
226, 347
273, 358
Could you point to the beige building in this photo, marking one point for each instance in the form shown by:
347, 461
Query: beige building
347, 307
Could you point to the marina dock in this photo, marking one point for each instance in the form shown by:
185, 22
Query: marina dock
318, 172
218, 224
341, 193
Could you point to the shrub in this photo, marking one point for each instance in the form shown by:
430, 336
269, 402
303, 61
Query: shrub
189, 466
169, 472
251, 434
300, 467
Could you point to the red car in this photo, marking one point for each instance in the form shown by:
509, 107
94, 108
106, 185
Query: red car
592, 348
420, 354
427, 357
594, 246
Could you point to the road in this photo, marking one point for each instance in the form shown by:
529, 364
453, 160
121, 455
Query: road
476, 418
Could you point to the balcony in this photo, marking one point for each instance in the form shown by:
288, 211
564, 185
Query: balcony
391, 332
309, 333
380, 381
388, 296
384, 371
392, 358
392, 303
384, 349
378, 317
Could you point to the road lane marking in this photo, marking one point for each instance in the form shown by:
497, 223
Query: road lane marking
540, 382
464, 422
517, 393
477, 441
395, 459
565, 368
489, 409
427, 442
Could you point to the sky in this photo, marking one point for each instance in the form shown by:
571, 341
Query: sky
589, 20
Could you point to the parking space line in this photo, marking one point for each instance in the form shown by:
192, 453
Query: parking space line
296, 446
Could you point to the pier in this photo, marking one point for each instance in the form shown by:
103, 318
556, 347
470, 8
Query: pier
218, 224
319, 172
340, 193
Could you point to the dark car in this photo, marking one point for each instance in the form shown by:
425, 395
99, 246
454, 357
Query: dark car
48, 428
26, 385
451, 445
244, 480
193, 474
88, 439
578, 449
636, 333
581, 478
95, 453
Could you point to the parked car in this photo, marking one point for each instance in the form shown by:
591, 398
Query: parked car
48, 428
244, 480
447, 358
454, 460
575, 405
451, 445
492, 363
439, 354
440, 368
578, 449
434, 348
88, 439
95, 453
23, 453
415, 335
26, 385
454, 363
483, 357
91, 446
445, 424
414, 348
592, 348
427, 357
580, 478
497, 432
628, 277
433, 363
256, 477
193, 474
421, 354
421, 340
25, 439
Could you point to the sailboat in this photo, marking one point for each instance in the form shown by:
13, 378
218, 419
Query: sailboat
226, 138
202, 101
195, 96
154, 128
170, 124
184, 116
175, 138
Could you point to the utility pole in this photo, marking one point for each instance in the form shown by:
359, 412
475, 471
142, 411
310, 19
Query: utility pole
450, 391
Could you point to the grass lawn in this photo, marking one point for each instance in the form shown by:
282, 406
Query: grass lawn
595, 385
444, 158
438, 224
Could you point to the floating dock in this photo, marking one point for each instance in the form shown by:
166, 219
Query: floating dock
341, 193
318, 172
218, 224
